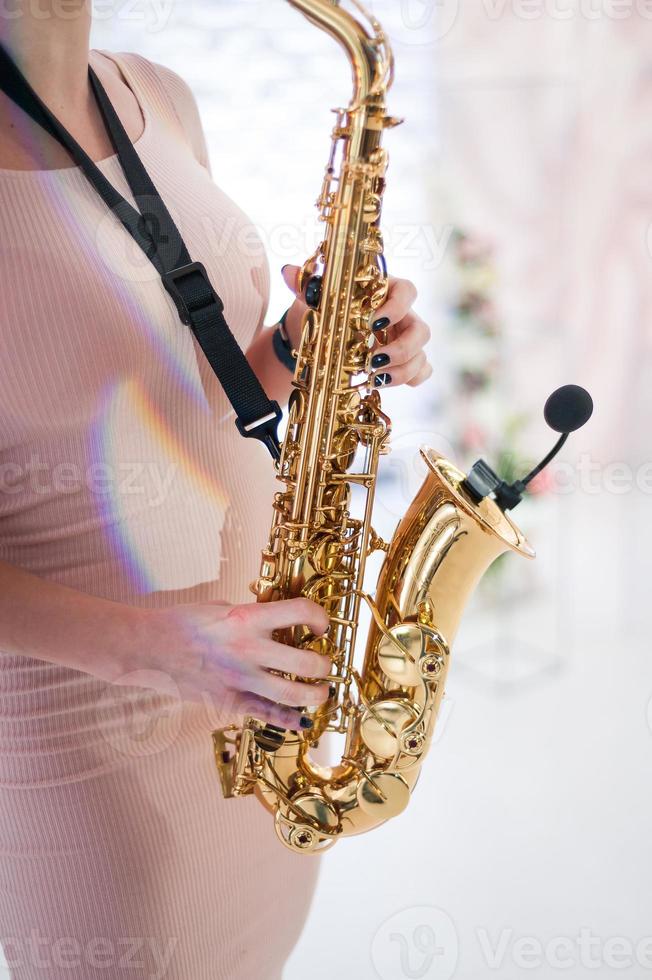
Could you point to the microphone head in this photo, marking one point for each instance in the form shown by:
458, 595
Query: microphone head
568, 408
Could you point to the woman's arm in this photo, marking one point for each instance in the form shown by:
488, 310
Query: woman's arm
274, 376
210, 650
51, 622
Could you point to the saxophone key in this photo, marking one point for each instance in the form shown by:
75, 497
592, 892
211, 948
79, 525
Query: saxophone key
383, 722
307, 823
383, 794
411, 652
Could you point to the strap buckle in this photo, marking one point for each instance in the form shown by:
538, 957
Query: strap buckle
191, 295
192, 292
264, 429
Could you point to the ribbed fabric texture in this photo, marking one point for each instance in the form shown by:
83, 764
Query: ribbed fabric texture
122, 475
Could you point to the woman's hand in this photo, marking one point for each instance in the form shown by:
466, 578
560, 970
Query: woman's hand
209, 650
401, 359
223, 654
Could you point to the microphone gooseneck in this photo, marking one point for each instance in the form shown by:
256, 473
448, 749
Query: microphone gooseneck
566, 410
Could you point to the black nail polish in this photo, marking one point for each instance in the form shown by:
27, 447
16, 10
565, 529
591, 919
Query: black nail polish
382, 379
305, 721
379, 360
380, 324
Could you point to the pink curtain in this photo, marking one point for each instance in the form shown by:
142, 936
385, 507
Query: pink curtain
547, 145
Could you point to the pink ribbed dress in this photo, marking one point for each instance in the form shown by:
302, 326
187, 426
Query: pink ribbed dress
122, 475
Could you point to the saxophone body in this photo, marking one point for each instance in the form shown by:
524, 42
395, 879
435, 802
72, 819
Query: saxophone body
384, 708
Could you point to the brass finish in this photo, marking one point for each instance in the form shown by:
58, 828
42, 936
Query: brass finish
386, 708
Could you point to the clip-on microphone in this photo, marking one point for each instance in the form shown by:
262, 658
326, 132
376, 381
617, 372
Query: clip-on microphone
566, 410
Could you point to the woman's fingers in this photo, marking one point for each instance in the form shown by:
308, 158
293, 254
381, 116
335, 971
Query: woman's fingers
411, 336
422, 375
290, 275
402, 294
295, 612
400, 361
402, 374
284, 691
245, 703
264, 617
303, 663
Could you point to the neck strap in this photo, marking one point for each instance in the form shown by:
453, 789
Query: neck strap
151, 226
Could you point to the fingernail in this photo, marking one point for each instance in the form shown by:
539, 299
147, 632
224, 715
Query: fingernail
284, 267
305, 721
379, 360
382, 379
380, 323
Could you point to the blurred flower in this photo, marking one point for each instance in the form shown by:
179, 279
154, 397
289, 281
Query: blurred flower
544, 482
471, 249
480, 416
473, 380
473, 437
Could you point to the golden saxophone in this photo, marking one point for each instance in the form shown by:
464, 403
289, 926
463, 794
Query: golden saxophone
386, 708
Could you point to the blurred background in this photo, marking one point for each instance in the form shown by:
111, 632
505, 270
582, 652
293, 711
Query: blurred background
520, 202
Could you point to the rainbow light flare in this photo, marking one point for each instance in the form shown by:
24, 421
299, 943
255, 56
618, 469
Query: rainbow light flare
164, 531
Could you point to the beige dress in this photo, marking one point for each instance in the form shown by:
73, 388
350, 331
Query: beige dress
122, 475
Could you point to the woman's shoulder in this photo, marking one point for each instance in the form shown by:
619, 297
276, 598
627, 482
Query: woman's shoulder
167, 93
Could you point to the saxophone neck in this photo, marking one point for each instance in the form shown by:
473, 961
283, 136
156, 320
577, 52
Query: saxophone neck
365, 44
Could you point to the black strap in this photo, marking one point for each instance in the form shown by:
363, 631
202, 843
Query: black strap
152, 228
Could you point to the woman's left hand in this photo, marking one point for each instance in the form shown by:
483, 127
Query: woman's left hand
401, 359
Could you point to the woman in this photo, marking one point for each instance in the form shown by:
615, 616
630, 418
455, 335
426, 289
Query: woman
131, 519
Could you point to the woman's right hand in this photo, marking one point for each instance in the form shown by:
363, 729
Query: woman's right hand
222, 655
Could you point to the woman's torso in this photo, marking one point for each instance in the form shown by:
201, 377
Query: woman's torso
121, 472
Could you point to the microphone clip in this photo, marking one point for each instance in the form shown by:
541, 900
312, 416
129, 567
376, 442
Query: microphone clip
483, 481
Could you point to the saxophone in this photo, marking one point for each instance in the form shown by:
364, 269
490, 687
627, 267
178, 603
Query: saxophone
321, 535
